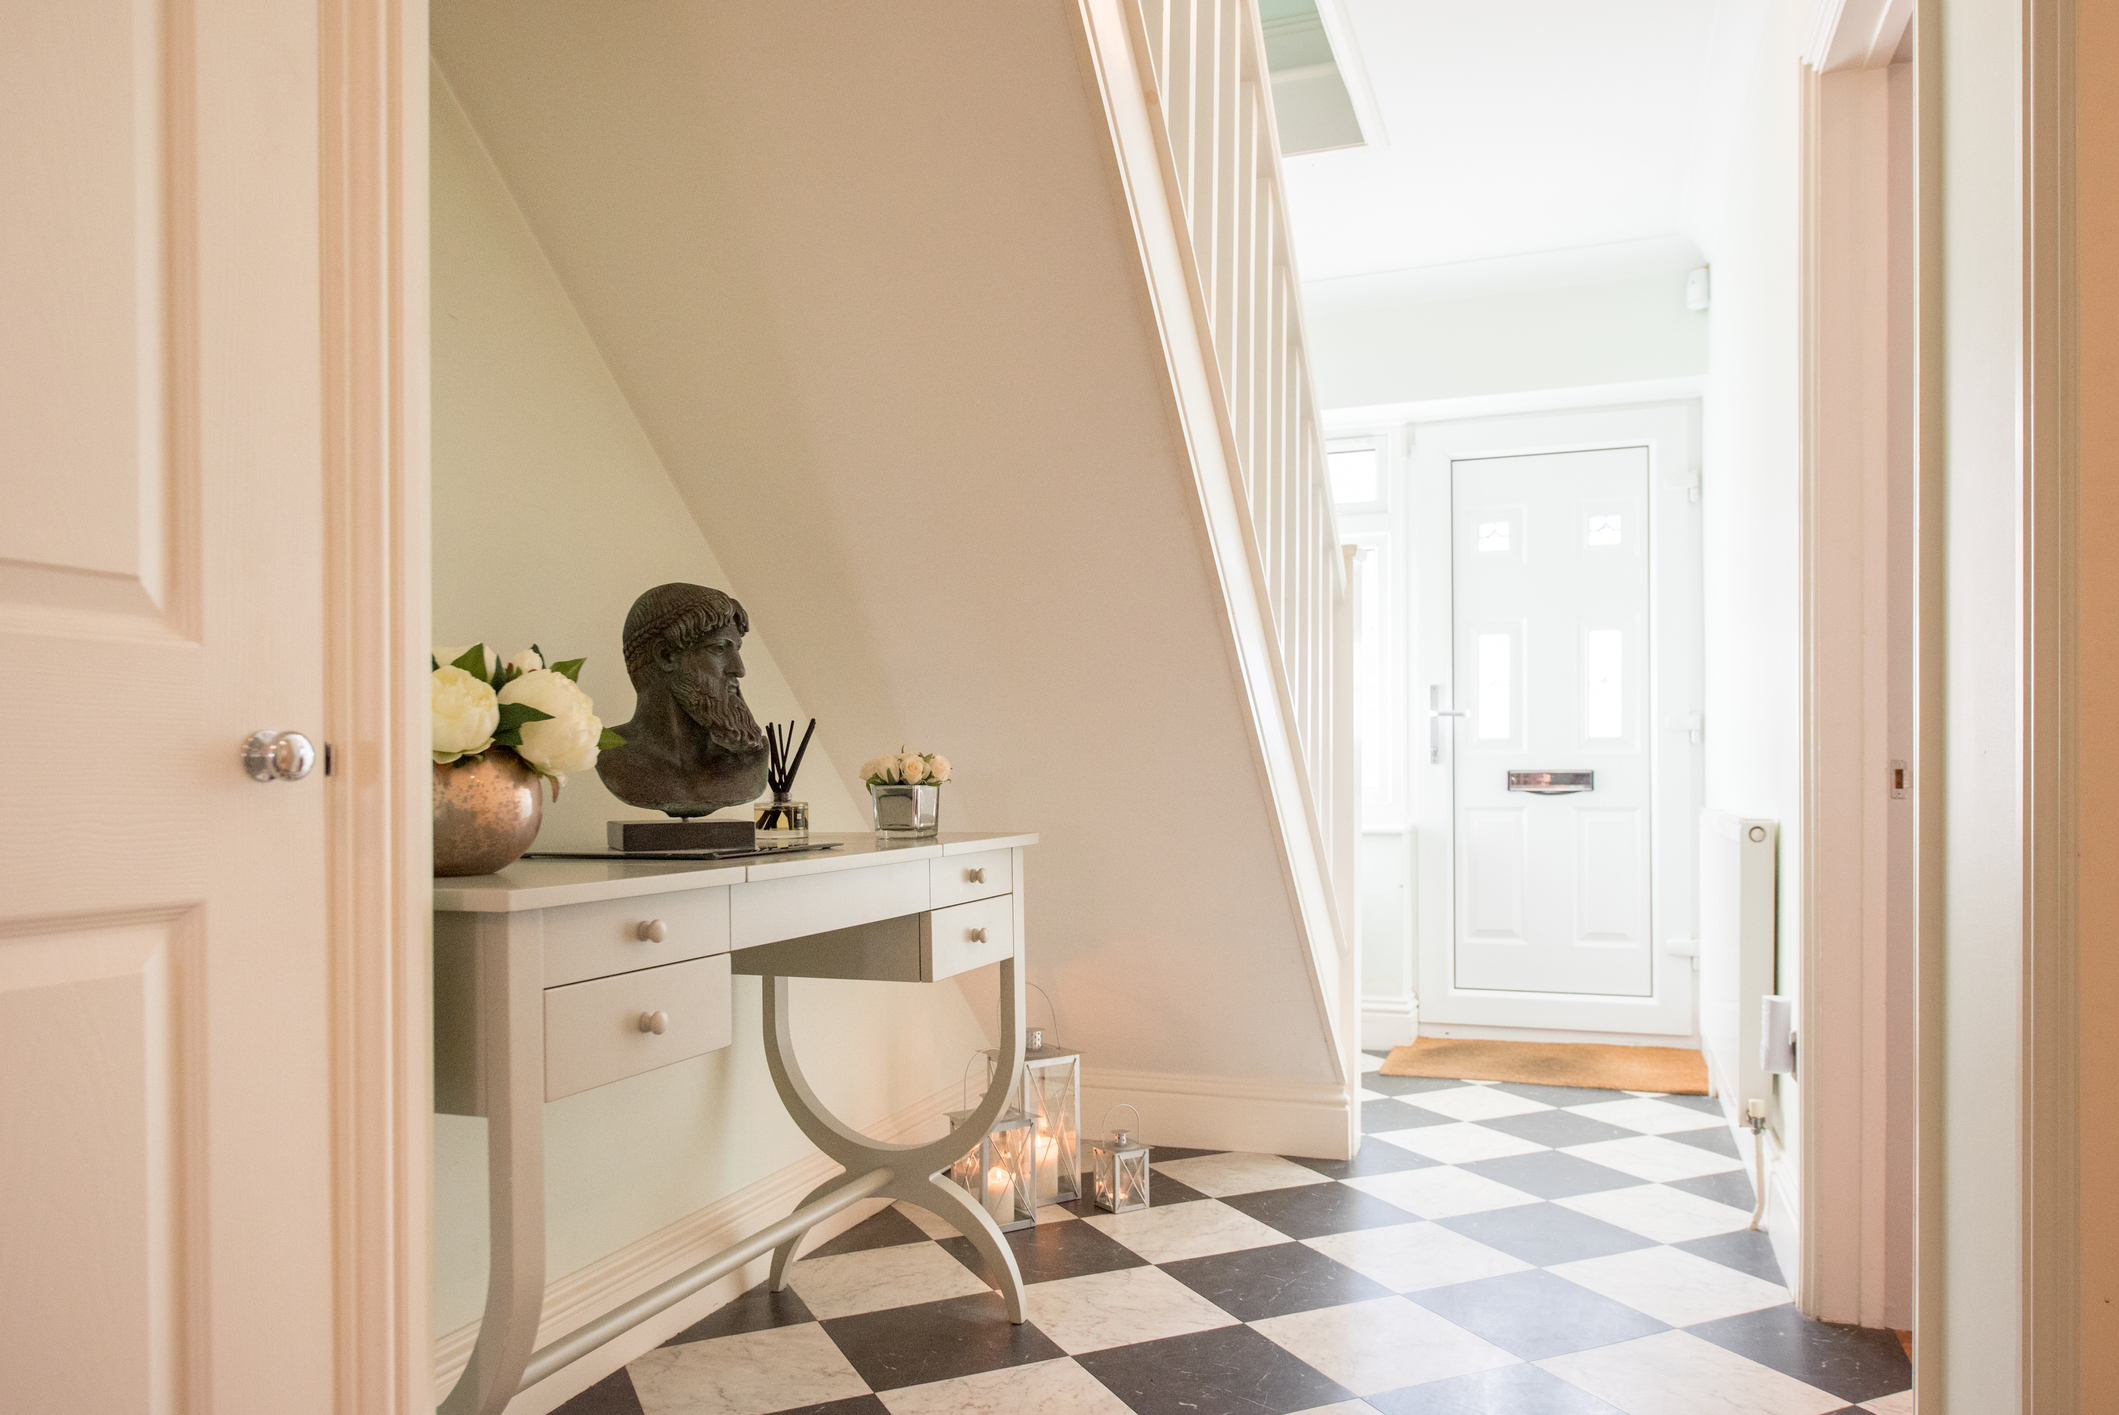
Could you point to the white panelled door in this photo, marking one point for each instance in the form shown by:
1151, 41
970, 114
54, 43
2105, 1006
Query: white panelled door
166, 1239
1557, 673
1551, 760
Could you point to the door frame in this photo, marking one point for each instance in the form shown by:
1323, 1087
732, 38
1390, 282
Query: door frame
372, 227
1671, 433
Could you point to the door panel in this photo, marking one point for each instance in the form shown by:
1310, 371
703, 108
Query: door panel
164, 1028
1550, 586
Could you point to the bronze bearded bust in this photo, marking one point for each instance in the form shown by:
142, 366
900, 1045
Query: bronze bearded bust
692, 746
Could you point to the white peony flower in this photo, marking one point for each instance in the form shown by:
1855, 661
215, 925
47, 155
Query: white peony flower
465, 714
445, 656
937, 770
526, 662
566, 741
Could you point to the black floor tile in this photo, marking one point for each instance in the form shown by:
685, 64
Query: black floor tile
1375, 1157
1856, 1364
1052, 1251
1544, 1234
1707, 1105
756, 1310
1252, 1284
1406, 1085
1228, 1371
1313, 1210
1158, 1154
1162, 1189
1550, 1174
1732, 1187
937, 1341
1718, 1139
887, 1229
1537, 1314
1511, 1390
613, 1395
1558, 1128
1379, 1116
1561, 1095
1744, 1250
857, 1405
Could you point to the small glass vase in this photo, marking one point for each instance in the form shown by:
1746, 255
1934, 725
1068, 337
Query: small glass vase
782, 819
906, 812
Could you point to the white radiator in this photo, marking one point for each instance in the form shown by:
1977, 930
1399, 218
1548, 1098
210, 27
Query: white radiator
1738, 857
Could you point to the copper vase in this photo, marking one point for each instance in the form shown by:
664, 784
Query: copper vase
486, 813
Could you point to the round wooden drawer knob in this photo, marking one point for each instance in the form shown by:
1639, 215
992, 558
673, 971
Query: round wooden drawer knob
975, 935
977, 876
656, 1022
651, 931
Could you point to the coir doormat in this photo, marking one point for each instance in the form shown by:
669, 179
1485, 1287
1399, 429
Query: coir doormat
1671, 1070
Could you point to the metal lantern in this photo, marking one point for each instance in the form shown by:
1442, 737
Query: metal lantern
1121, 1164
1050, 1094
1000, 1175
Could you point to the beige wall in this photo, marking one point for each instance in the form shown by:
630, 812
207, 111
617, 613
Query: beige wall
551, 511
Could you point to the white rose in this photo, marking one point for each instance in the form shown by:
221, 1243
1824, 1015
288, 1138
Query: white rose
566, 741
526, 662
445, 656
871, 769
937, 770
914, 766
465, 714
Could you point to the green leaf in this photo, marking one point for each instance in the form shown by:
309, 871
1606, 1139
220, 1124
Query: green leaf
608, 740
569, 668
514, 715
508, 737
432, 666
472, 661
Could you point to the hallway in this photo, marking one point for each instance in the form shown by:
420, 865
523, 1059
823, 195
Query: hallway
1519, 1250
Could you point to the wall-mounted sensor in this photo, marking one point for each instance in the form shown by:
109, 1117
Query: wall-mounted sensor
1696, 289
1776, 1035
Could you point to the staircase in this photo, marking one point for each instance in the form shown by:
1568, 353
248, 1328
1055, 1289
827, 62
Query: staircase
970, 335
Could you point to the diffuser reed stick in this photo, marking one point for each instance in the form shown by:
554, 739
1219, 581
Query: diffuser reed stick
783, 760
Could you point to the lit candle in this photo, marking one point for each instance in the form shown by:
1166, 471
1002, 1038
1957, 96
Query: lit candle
999, 1201
1047, 1166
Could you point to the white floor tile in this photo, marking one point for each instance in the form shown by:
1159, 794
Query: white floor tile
933, 1225
1650, 1117
1660, 1212
1673, 1285
1676, 1373
1119, 1309
1412, 1257
1899, 1404
868, 1281
750, 1374
1368, 1095
1057, 1387
1344, 1407
1382, 1345
1216, 1175
1653, 1158
1460, 1143
1191, 1230
1474, 1103
1441, 1192
1371, 1063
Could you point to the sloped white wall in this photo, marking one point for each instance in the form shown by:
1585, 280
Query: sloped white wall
551, 511
861, 272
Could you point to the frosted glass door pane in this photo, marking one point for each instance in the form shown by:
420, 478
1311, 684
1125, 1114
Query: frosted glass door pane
1605, 715
1494, 674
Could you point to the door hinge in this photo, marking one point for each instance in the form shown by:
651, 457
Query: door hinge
1691, 482
1690, 723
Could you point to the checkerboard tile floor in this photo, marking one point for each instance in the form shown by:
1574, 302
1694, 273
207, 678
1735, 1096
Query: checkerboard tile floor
1512, 1249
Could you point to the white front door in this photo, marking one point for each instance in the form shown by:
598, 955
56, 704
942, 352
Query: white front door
1551, 759
166, 1238
1559, 671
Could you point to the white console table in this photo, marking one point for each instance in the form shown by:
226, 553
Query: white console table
557, 976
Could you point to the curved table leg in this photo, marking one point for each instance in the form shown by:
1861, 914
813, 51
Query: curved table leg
915, 1166
784, 1255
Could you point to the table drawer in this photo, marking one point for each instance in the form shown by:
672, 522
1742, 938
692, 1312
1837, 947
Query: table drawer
967, 936
764, 911
592, 1032
596, 940
959, 879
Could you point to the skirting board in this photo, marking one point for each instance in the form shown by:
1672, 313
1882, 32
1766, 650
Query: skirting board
1783, 1222
583, 1295
1389, 1022
1222, 1112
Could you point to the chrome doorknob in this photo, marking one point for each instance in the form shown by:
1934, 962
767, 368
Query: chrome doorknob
278, 756
656, 1022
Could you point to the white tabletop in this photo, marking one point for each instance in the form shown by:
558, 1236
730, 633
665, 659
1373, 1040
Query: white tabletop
545, 884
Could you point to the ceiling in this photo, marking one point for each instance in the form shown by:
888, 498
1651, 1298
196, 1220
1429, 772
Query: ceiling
1531, 125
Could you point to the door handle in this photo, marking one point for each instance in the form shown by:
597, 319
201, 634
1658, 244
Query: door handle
1552, 783
1435, 714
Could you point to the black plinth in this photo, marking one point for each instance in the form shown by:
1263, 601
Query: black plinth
682, 835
